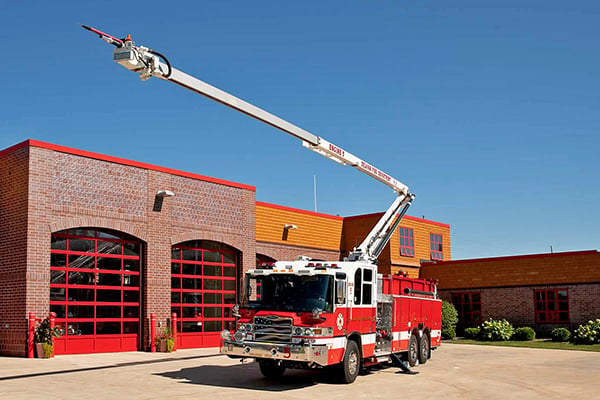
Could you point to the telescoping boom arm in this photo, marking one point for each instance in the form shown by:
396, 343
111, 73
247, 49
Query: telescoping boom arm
149, 63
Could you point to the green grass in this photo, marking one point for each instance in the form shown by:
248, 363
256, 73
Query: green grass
536, 344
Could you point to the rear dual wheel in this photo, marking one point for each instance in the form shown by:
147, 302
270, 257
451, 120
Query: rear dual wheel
418, 349
424, 348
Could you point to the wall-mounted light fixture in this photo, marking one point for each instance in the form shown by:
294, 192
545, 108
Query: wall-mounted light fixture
165, 193
159, 197
286, 230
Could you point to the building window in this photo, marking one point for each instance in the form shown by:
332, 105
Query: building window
551, 306
468, 306
435, 245
407, 242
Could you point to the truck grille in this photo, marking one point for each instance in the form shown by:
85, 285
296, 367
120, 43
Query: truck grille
271, 328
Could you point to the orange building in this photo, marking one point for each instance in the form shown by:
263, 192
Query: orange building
286, 233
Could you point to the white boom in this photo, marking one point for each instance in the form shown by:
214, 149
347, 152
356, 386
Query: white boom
147, 63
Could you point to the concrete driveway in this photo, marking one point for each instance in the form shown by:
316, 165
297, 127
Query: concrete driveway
454, 372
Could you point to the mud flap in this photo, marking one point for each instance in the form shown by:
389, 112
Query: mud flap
400, 364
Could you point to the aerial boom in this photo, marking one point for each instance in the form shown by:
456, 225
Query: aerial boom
147, 63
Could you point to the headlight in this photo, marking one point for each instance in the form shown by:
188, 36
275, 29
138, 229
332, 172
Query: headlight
247, 327
307, 332
242, 327
297, 331
225, 335
239, 336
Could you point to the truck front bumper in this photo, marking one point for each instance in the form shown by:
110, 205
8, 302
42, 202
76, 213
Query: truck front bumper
317, 354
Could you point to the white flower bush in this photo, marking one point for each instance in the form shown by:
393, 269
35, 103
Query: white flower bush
496, 330
588, 333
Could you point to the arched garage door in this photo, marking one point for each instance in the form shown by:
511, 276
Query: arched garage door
95, 290
203, 290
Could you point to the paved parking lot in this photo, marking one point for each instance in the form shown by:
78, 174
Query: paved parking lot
454, 372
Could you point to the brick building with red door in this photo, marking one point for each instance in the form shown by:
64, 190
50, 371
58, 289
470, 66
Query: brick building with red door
104, 243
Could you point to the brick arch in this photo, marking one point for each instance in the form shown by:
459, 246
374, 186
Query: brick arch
94, 222
265, 254
234, 241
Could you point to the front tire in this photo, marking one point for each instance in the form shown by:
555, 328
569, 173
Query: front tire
351, 364
424, 349
271, 369
413, 350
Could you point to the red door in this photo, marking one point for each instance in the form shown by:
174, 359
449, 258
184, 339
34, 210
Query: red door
203, 291
95, 290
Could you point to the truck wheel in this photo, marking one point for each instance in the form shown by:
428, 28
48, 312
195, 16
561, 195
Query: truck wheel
413, 350
424, 348
271, 369
351, 363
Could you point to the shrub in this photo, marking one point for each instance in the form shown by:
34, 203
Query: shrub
588, 333
496, 330
472, 333
524, 333
449, 333
560, 335
449, 320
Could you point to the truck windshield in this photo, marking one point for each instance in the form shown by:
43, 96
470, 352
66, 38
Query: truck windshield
287, 292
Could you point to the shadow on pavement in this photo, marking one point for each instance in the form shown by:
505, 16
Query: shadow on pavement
248, 376
119, 365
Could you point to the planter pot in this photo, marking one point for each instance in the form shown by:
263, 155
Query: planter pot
44, 350
165, 346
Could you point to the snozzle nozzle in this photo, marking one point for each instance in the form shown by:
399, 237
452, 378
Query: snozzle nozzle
105, 36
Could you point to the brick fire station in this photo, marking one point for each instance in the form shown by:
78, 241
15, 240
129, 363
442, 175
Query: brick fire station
105, 242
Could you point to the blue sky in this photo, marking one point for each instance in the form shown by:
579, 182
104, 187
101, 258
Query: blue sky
487, 110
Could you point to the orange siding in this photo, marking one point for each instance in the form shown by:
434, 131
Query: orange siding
540, 269
390, 260
318, 231
421, 229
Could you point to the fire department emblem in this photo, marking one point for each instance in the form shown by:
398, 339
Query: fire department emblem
340, 321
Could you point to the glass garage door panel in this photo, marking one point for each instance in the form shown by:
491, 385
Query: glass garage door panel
95, 290
203, 291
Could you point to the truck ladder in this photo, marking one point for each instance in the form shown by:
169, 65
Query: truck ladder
147, 63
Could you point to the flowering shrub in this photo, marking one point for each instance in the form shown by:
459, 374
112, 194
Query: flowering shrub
496, 330
588, 333
525, 333
560, 335
165, 336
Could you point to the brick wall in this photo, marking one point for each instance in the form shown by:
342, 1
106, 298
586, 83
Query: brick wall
281, 252
14, 169
516, 304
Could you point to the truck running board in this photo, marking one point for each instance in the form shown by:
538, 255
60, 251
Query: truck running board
400, 364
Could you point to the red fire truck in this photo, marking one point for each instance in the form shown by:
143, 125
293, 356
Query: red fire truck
306, 314
311, 314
